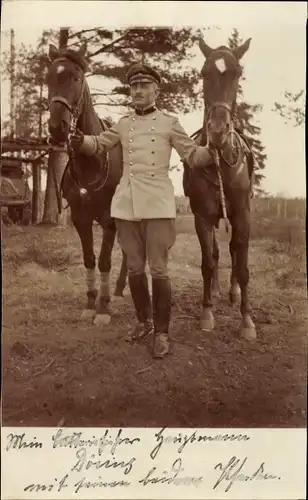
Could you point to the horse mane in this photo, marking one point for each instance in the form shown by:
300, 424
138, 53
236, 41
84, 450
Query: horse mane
74, 57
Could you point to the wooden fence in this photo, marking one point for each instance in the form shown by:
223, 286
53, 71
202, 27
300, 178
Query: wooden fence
286, 208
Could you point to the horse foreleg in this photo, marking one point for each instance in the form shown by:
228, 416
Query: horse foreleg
235, 290
205, 236
104, 265
83, 226
241, 227
121, 281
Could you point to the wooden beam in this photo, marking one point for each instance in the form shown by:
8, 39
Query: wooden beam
10, 146
12, 203
23, 159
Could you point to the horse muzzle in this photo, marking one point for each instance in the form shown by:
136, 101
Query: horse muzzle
59, 121
217, 136
59, 132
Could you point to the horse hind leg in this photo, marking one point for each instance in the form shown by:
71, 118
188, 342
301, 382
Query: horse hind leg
215, 280
83, 227
104, 265
121, 281
241, 243
235, 290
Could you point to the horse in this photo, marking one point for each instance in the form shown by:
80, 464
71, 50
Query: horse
88, 183
224, 188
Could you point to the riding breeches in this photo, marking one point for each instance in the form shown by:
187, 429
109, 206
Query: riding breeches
147, 240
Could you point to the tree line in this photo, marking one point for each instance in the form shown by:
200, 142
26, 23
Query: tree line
109, 53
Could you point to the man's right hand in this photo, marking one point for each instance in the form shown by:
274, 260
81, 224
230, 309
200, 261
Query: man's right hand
76, 139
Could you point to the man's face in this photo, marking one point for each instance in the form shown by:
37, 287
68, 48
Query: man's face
143, 94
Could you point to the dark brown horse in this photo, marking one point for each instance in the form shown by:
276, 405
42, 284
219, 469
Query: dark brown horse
88, 183
223, 189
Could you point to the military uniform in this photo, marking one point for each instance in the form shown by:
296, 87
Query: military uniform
145, 190
144, 203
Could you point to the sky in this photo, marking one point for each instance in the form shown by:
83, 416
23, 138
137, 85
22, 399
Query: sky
274, 63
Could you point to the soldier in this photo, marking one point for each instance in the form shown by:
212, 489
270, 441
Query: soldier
143, 205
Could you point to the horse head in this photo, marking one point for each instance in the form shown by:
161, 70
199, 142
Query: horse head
221, 73
66, 86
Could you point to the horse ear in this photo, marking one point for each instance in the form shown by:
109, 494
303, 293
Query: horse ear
53, 51
83, 50
242, 49
205, 49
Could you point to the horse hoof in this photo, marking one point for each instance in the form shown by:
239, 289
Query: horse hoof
207, 324
207, 321
102, 319
248, 333
88, 314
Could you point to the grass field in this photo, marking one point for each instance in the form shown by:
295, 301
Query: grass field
60, 371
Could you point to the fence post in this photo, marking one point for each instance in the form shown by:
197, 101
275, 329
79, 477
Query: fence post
285, 206
36, 180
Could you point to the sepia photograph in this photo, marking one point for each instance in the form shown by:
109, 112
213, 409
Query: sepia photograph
153, 207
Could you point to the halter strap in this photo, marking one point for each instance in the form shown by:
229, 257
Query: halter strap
219, 104
62, 100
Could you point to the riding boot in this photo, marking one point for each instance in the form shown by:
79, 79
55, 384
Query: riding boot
142, 301
161, 293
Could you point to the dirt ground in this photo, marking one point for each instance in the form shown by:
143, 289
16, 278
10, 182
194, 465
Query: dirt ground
58, 371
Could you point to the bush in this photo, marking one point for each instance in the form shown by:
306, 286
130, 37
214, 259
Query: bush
287, 235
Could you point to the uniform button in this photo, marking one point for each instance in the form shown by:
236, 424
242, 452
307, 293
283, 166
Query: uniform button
130, 140
154, 117
130, 150
153, 152
131, 175
130, 163
152, 128
153, 140
134, 119
131, 129
153, 164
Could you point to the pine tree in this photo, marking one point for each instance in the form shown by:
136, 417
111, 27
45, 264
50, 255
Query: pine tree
166, 49
244, 115
31, 103
110, 53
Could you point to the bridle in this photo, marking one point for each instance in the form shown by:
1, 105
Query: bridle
75, 112
230, 109
215, 152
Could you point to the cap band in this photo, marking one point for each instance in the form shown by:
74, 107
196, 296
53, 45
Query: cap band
141, 77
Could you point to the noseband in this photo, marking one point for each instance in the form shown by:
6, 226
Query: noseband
218, 104
215, 153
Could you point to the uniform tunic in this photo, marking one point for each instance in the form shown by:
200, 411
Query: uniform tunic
145, 190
